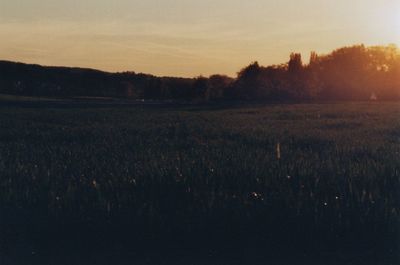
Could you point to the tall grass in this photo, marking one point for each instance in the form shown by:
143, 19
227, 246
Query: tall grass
280, 178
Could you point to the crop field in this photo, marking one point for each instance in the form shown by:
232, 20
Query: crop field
239, 183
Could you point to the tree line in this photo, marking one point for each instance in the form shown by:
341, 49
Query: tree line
349, 73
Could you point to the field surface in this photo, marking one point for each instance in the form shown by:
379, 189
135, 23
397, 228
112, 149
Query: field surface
227, 184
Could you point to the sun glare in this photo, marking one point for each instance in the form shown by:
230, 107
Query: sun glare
395, 23
385, 27
397, 29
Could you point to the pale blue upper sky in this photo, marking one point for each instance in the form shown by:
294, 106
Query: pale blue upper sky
187, 37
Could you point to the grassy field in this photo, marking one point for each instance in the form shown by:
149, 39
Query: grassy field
241, 183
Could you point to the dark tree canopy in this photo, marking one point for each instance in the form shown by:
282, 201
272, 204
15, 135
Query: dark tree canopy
349, 73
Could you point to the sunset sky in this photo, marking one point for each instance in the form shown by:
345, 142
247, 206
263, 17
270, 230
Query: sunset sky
187, 37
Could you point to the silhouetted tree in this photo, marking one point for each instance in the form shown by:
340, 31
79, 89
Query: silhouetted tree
248, 84
313, 59
295, 63
218, 86
200, 89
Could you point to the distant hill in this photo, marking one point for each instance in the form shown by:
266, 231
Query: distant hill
36, 80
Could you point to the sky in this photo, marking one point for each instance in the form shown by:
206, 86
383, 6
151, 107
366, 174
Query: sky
188, 37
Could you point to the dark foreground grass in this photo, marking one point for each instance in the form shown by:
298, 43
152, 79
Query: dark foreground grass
190, 185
